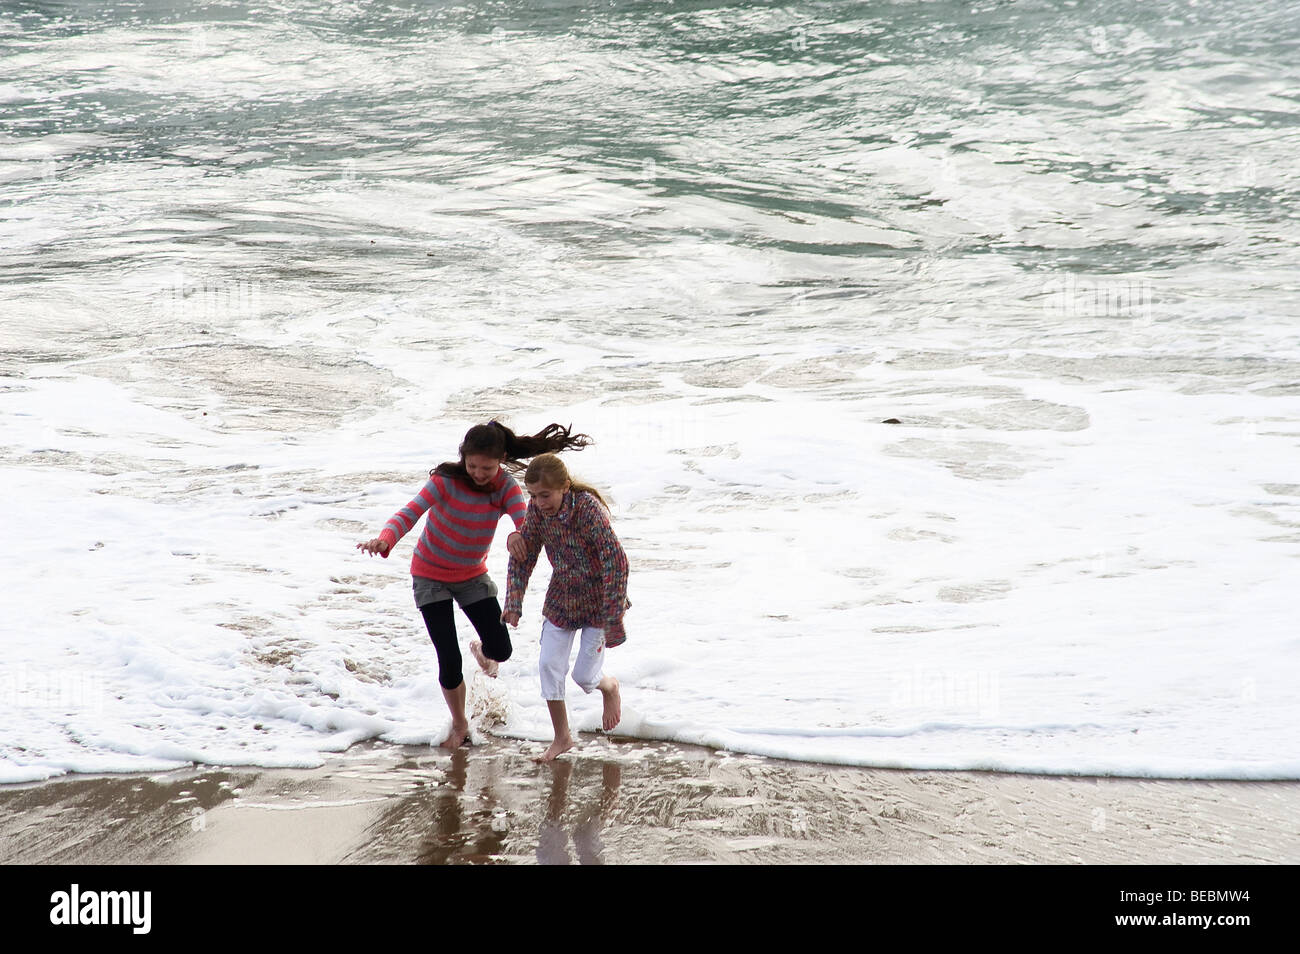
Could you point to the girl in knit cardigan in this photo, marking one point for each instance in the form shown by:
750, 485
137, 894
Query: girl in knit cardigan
587, 593
465, 501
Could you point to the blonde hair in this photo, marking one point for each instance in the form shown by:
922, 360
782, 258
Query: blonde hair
549, 471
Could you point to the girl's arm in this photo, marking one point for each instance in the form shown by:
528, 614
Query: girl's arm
612, 563
402, 521
515, 507
520, 570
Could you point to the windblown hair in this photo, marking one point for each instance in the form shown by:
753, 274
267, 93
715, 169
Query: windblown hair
549, 471
494, 439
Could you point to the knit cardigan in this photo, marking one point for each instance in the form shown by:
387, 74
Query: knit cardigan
588, 567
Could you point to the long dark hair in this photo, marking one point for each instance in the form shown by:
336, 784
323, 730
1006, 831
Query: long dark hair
494, 439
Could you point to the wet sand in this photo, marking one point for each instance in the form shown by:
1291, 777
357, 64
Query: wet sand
624, 801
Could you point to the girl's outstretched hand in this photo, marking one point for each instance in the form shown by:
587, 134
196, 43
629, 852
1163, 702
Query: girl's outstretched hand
511, 618
515, 544
374, 546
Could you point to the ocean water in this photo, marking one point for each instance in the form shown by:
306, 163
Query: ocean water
261, 266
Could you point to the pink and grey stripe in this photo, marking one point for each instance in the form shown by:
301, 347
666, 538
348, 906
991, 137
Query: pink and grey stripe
461, 524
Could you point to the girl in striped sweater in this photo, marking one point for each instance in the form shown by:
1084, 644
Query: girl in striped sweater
464, 501
588, 590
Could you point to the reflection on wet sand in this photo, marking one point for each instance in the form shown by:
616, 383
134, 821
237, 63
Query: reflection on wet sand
457, 831
476, 810
447, 816
620, 801
553, 839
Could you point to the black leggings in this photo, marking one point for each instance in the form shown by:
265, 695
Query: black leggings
441, 622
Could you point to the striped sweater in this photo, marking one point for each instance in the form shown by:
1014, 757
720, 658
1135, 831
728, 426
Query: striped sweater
588, 567
459, 530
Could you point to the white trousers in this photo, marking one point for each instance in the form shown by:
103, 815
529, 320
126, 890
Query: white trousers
553, 663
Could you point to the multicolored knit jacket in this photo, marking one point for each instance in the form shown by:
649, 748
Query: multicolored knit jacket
588, 567
462, 522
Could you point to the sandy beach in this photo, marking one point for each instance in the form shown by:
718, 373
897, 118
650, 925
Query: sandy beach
624, 801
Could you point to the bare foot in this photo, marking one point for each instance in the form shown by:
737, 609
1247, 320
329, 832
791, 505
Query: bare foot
613, 703
489, 666
558, 747
456, 737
